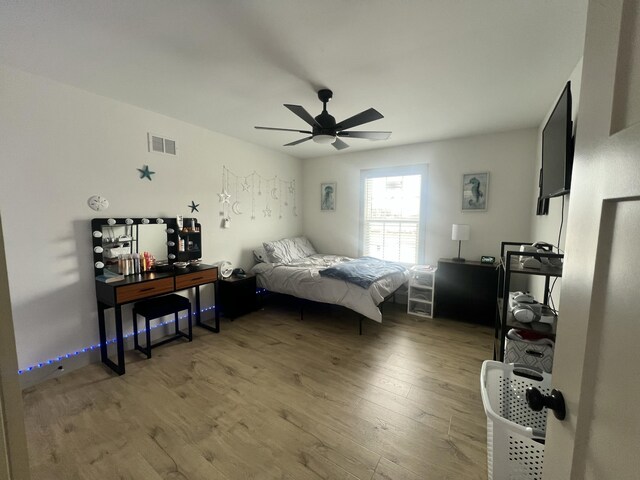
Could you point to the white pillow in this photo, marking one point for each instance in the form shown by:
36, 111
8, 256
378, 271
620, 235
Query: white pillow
304, 246
288, 249
281, 251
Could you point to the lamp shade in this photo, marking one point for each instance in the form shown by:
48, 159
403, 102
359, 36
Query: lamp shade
460, 232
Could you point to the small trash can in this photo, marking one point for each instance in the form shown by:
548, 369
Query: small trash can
515, 433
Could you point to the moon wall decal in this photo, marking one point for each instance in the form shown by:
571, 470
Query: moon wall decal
235, 208
274, 193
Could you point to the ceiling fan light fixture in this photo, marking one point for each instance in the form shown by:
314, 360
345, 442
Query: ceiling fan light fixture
325, 130
324, 139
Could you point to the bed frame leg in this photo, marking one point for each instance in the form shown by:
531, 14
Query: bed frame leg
360, 325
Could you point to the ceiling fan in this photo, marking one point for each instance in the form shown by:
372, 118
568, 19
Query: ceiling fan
324, 128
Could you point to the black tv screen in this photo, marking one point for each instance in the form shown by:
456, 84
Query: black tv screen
557, 148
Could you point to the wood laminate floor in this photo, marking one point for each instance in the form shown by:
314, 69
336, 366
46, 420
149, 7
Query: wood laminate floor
273, 397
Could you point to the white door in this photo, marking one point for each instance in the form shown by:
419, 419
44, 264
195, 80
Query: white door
597, 358
14, 461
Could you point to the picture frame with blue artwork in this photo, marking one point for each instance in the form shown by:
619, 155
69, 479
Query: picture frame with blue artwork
475, 192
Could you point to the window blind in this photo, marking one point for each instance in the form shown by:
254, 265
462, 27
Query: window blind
391, 217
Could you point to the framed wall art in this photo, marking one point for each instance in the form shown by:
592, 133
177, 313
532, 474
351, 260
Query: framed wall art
328, 197
475, 192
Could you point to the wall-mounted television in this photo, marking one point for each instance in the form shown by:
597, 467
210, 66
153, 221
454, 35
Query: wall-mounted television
557, 148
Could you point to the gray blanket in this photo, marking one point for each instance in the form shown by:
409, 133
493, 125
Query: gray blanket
362, 271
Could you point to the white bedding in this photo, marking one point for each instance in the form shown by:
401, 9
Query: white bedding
301, 278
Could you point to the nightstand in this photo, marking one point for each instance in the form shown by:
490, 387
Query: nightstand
466, 291
237, 295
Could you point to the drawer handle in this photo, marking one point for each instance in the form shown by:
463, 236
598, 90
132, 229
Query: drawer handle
197, 278
147, 289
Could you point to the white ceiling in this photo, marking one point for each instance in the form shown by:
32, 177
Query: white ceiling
435, 69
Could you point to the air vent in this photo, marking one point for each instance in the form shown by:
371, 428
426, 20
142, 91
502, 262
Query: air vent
169, 146
160, 144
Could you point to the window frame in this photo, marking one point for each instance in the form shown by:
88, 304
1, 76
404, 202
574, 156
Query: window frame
397, 171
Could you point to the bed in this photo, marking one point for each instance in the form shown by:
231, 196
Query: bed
292, 266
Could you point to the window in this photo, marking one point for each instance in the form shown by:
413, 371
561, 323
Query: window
393, 213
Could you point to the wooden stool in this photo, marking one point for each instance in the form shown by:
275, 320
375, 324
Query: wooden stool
156, 308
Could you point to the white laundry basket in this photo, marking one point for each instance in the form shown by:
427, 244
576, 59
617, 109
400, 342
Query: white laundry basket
515, 433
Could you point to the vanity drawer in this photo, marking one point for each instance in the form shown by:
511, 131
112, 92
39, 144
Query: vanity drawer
129, 293
196, 278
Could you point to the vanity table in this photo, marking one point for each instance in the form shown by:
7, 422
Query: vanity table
144, 285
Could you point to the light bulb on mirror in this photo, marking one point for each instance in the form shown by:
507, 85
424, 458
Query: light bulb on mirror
159, 220
111, 221
129, 221
99, 265
98, 249
145, 221
97, 233
171, 256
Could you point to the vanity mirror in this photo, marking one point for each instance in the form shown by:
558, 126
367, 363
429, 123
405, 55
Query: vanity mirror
160, 237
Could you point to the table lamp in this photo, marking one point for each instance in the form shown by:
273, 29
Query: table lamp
459, 232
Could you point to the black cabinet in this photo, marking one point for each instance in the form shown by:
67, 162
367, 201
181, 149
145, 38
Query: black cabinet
237, 295
466, 291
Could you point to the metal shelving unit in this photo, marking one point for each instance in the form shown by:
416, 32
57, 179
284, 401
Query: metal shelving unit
511, 266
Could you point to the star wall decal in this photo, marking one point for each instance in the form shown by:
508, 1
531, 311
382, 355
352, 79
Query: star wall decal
245, 185
224, 196
194, 206
145, 173
267, 212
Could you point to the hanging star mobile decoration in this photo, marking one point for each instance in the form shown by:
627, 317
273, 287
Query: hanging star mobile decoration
267, 212
194, 206
145, 173
224, 196
245, 185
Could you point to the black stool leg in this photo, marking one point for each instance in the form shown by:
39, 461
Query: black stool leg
175, 323
189, 325
135, 330
148, 349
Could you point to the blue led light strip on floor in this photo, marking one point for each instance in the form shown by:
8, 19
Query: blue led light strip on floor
259, 291
97, 346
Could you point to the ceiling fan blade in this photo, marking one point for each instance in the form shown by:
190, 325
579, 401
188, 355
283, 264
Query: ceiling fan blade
297, 141
367, 135
303, 114
362, 117
339, 144
283, 129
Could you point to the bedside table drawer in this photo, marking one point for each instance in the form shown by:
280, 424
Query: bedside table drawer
196, 278
129, 293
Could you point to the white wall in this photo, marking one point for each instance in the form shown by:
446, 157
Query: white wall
546, 227
509, 157
61, 145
